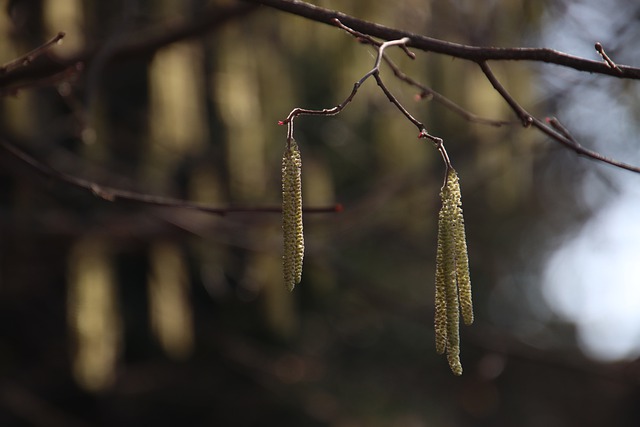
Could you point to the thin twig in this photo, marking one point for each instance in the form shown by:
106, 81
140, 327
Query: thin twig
555, 123
27, 58
443, 100
423, 89
375, 71
370, 40
554, 131
111, 194
572, 144
606, 58
421, 128
524, 116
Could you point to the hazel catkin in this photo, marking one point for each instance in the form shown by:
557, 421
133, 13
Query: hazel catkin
453, 285
292, 215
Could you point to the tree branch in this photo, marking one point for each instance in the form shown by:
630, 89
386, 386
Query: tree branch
139, 45
366, 30
555, 131
429, 44
111, 194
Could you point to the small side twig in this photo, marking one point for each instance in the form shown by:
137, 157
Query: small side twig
375, 71
606, 58
423, 89
555, 123
28, 57
443, 100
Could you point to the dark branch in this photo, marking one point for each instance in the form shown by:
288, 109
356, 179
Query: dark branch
138, 45
471, 53
111, 194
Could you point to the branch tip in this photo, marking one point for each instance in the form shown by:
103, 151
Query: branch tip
605, 57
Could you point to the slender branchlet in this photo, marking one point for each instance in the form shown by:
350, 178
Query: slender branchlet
453, 284
292, 215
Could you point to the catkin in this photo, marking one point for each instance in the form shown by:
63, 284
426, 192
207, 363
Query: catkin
462, 258
440, 322
292, 215
441, 295
453, 286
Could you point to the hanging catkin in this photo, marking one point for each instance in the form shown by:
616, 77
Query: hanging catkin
441, 279
453, 286
292, 215
462, 258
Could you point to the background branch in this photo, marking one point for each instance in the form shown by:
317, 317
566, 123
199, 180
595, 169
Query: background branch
142, 44
111, 194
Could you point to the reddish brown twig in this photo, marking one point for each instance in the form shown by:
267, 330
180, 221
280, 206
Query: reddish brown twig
426, 92
375, 72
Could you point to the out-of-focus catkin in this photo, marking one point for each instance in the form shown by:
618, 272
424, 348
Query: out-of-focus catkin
453, 285
292, 215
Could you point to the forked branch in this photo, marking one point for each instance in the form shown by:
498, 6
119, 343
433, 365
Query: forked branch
365, 31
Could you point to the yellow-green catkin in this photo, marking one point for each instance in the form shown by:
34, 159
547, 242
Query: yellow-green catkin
441, 293
292, 215
453, 286
462, 258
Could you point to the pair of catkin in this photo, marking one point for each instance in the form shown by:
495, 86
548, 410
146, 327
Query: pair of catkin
292, 215
453, 283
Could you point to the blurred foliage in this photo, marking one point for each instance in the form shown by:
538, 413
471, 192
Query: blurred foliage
202, 330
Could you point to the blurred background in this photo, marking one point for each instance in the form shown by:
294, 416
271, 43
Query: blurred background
118, 313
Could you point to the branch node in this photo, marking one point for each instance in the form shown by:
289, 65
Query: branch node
605, 57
